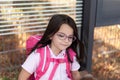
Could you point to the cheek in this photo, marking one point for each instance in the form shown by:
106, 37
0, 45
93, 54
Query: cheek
55, 40
69, 44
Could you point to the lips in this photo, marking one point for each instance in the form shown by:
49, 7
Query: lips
64, 45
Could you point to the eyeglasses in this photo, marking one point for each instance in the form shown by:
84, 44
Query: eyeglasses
63, 36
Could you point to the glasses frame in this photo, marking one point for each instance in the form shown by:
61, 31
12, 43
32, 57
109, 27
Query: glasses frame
63, 36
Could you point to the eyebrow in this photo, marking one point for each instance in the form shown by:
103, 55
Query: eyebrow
66, 34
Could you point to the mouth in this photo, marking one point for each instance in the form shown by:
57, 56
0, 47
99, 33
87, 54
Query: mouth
64, 45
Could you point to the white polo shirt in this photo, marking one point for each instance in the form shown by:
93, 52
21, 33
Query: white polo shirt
33, 60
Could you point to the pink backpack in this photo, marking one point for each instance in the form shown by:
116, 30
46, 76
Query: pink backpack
45, 57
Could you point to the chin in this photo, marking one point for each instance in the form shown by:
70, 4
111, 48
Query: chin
63, 48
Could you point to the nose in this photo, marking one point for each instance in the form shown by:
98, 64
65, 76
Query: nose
66, 39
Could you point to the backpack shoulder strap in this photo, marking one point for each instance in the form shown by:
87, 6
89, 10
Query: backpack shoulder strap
72, 53
68, 64
44, 64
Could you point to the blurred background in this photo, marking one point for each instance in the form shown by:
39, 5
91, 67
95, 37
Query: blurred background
20, 19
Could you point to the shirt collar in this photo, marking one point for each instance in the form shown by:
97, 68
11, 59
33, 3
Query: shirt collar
61, 54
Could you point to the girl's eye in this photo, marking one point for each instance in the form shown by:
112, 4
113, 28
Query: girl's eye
70, 37
60, 35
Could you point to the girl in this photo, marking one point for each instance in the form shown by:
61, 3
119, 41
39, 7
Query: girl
61, 39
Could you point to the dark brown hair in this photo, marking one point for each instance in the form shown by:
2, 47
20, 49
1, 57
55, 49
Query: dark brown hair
53, 26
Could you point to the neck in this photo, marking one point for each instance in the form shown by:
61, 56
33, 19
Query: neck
55, 50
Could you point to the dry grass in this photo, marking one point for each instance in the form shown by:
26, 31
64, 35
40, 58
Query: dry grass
106, 53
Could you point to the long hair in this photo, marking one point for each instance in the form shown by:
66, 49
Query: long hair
53, 26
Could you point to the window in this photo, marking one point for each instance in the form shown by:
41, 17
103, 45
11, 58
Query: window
21, 18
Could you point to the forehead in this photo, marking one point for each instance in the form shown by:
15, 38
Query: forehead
66, 29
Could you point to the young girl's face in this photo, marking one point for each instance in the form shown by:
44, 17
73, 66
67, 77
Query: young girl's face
62, 39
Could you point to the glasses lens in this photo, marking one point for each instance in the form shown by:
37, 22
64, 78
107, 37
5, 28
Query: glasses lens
72, 38
61, 36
